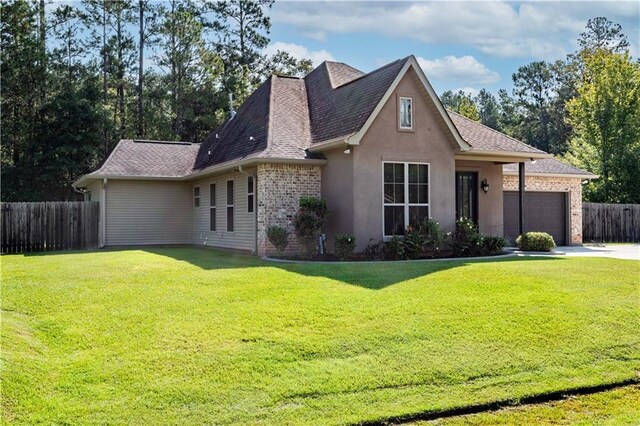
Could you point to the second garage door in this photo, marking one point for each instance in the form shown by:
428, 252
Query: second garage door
544, 211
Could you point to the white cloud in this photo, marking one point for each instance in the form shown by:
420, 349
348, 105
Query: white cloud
541, 30
300, 52
464, 69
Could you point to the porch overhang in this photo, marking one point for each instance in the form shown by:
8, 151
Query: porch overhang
503, 157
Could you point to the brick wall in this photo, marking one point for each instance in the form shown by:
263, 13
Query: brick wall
560, 184
280, 187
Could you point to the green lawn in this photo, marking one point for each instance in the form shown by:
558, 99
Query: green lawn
201, 336
615, 407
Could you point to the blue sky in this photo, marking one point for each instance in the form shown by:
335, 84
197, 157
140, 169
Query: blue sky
460, 45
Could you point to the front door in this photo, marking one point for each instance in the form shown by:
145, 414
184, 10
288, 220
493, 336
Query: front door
467, 195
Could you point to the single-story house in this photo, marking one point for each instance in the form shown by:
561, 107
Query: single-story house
379, 147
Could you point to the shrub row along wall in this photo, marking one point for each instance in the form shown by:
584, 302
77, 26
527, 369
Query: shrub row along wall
33, 227
613, 223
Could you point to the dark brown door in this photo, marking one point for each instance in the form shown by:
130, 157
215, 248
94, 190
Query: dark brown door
543, 211
467, 195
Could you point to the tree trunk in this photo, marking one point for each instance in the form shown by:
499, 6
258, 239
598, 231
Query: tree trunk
120, 74
105, 84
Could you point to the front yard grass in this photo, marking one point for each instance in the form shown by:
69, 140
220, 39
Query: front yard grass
185, 335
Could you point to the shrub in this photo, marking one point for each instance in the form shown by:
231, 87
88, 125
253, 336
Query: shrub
279, 237
344, 246
467, 241
308, 221
434, 237
394, 249
413, 243
374, 250
492, 245
535, 241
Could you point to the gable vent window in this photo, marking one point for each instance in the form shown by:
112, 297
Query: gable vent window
406, 113
212, 207
250, 194
230, 206
196, 196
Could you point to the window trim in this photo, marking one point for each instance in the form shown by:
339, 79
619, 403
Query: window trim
400, 126
406, 204
232, 205
213, 206
251, 195
197, 197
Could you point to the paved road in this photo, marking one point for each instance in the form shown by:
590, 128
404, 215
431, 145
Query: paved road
621, 251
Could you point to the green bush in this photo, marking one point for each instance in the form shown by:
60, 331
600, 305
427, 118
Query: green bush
492, 245
535, 241
344, 246
413, 243
466, 241
434, 237
279, 237
394, 249
308, 221
374, 250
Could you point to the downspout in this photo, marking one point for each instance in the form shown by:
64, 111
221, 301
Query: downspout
103, 214
255, 207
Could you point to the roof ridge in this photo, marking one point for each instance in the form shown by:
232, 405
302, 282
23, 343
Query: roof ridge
374, 71
112, 155
493, 130
162, 142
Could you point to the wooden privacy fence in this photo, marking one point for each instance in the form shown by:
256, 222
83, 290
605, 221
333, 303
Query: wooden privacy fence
610, 223
48, 226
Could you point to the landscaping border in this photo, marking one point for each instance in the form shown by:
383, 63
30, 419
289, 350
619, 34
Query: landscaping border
351, 262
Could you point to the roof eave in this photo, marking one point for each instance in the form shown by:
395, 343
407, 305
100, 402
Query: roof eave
552, 174
501, 156
220, 168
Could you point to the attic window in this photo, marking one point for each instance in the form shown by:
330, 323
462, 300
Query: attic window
406, 113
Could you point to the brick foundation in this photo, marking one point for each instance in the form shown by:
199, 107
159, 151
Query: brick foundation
559, 184
280, 187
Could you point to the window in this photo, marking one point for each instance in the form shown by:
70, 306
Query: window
212, 207
405, 196
89, 196
250, 194
196, 196
406, 113
229, 206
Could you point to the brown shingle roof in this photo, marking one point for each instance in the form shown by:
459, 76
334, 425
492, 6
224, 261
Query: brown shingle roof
550, 166
483, 138
340, 112
286, 116
149, 159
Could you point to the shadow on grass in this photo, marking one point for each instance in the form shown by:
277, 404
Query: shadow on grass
370, 275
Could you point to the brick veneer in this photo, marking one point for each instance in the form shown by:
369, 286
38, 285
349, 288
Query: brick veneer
280, 187
560, 184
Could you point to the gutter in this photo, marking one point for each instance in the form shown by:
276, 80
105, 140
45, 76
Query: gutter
562, 175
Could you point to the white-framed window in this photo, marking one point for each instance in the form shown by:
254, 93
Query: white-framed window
230, 205
212, 208
196, 196
89, 196
250, 194
406, 113
405, 196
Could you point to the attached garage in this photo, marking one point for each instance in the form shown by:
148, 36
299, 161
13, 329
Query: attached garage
544, 212
553, 200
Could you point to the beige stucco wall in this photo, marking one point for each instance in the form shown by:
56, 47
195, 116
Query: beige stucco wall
147, 212
243, 236
490, 215
427, 143
337, 189
280, 187
559, 184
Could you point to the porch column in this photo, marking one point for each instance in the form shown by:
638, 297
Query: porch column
521, 197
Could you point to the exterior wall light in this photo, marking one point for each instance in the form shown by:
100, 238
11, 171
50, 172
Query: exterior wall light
484, 185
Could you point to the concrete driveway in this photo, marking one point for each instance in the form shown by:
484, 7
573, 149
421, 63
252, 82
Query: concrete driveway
615, 251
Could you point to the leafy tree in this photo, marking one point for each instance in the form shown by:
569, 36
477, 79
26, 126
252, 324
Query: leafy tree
488, 109
601, 33
282, 63
606, 119
462, 103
